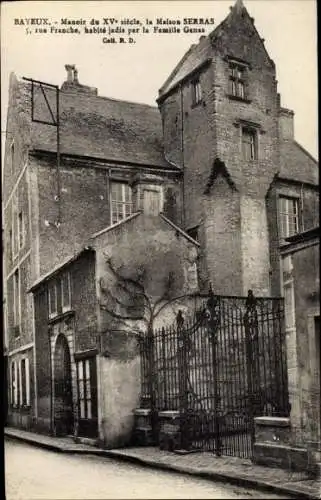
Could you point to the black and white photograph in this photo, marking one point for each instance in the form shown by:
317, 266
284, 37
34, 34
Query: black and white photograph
160, 235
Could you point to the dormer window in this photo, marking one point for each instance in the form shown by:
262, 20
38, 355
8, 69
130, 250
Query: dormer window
237, 80
196, 92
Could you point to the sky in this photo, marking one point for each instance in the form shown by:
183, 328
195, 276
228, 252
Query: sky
136, 71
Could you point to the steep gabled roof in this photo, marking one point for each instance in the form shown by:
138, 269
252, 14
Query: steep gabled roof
194, 57
96, 126
199, 53
292, 158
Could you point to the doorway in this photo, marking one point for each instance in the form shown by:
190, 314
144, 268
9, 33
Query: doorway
87, 397
63, 408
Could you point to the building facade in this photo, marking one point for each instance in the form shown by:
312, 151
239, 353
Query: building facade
218, 157
301, 285
89, 318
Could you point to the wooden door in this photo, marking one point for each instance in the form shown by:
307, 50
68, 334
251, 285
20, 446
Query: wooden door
87, 397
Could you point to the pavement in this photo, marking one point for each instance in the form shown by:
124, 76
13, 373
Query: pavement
238, 471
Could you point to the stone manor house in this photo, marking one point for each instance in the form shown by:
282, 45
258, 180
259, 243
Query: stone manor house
213, 174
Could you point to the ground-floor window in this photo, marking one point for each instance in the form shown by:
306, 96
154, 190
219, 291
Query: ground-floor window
20, 383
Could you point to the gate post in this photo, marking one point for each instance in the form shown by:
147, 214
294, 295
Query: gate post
182, 377
213, 322
250, 325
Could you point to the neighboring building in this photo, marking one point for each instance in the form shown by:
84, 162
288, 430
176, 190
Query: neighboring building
87, 325
301, 285
218, 158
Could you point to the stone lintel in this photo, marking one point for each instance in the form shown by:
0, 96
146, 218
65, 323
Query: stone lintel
272, 421
170, 414
142, 412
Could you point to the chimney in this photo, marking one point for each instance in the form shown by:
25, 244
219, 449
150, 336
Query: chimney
72, 83
70, 72
286, 124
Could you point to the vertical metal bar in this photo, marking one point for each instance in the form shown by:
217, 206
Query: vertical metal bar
183, 374
265, 337
164, 366
150, 337
214, 328
58, 155
249, 362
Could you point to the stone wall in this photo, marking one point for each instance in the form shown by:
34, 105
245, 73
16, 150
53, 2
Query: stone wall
119, 375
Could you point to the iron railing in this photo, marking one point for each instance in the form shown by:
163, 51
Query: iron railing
219, 368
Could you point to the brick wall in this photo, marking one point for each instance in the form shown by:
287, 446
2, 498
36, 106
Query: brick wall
25, 334
84, 302
84, 210
43, 358
17, 257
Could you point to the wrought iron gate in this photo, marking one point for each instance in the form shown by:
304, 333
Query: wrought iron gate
219, 369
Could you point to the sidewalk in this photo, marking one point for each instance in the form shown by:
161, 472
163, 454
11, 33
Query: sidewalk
225, 469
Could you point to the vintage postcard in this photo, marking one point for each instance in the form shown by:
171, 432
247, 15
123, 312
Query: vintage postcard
160, 215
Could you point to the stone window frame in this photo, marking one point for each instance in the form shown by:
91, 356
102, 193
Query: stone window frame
197, 94
234, 81
251, 132
19, 384
24, 387
16, 289
52, 312
65, 307
256, 129
293, 197
153, 188
122, 202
